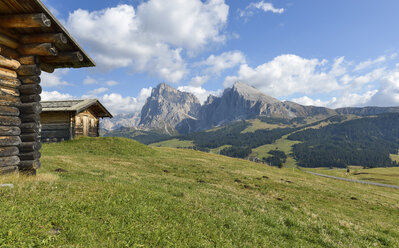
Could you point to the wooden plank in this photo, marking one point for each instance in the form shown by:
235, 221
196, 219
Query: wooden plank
8, 169
29, 70
9, 63
9, 82
9, 121
29, 165
47, 68
9, 151
8, 73
9, 111
9, 161
5, 91
9, 131
30, 98
30, 89
29, 118
31, 127
29, 60
30, 108
41, 49
64, 57
7, 41
25, 21
44, 38
9, 141
9, 101
30, 79
30, 156
30, 137
9, 52
29, 146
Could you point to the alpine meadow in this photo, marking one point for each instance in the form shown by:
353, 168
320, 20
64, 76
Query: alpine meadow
199, 123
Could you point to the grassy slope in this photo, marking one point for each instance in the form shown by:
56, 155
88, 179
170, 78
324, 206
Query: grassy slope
379, 175
118, 192
174, 143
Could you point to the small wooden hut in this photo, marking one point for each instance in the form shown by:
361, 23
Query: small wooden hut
31, 40
64, 120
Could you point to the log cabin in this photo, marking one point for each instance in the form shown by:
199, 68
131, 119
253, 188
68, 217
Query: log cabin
32, 40
65, 120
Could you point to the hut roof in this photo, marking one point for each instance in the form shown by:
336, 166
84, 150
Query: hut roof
76, 106
18, 7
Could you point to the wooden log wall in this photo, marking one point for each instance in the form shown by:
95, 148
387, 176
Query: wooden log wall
30, 109
9, 115
22, 58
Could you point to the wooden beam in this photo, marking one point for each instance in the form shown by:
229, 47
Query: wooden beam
30, 98
9, 101
8, 52
64, 57
25, 21
29, 60
41, 49
30, 127
30, 79
29, 70
29, 118
9, 161
30, 156
29, 166
13, 121
29, 146
8, 151
4, 91
7, 41
8, 169
44, 38
30, 137
9, 82
9, 111
47, 68
30, 108
9, 131
30, 89
8, 73
9, 141
9, 63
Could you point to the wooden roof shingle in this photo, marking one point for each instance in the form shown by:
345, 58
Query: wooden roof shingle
76, 106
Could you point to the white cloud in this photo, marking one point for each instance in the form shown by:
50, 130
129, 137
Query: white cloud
111, 83
289, 74
54, 79
345, 100
118, 104
198, 81
89, 80
366, 64
55, 96
388, 92
95, 92
307, 101
264, 6
218, 63
201, 93
152, 38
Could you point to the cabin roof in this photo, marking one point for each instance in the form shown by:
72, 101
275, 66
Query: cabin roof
76, 106
14, 7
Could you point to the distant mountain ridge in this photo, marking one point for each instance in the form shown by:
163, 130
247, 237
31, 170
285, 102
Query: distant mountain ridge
171, 111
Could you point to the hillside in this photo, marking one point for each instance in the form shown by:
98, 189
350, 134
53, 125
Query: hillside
117, 192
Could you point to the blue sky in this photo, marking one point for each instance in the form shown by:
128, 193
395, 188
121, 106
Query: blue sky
328, 53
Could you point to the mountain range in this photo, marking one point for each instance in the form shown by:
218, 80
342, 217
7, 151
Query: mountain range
171, 111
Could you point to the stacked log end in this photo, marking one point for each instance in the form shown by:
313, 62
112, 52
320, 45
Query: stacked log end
9, 116
30, 109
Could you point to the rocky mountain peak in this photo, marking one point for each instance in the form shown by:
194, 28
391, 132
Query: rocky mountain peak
167, 107
251, 93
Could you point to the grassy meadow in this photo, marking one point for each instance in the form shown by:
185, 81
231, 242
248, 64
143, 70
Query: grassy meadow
115, 192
